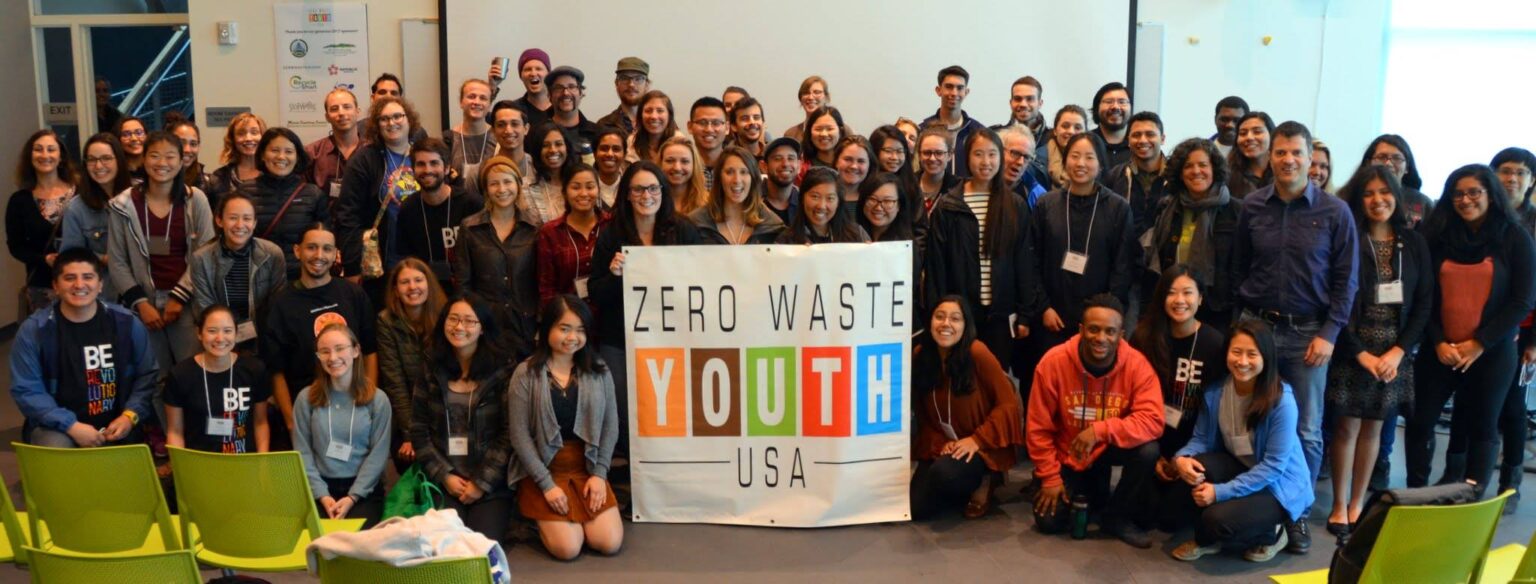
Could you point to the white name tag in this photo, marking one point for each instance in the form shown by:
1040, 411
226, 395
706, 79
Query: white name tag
1244, 446
335, 189
159, 246
339, 451
1389, 292
245, 331
1172, 415
221, 427
1074, 262
458, 446
581, 287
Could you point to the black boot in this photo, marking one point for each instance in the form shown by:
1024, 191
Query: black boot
1455, 468
1509, 479
1381, 474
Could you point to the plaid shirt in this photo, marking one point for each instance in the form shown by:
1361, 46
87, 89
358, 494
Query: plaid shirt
564, 255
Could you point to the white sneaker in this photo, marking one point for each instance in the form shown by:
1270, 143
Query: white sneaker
1265, 553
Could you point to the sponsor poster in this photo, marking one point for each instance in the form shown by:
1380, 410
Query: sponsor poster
768, 385
320, 46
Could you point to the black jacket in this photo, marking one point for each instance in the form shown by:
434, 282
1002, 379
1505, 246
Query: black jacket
489, 446
1219, 296
952, 261
607, 290
1513, 293
1114, 256
359, 204
1412, 253
268, 193
1144, 202
501, 274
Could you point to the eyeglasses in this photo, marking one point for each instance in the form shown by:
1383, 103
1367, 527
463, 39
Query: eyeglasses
454, 320
391, 118
1021, 154
571, 89
1471, 194
134, 133
631, 78
643, 190
1521, 172
710, 123
886, 203
98, 160
934, 153
328, 352
1392, 159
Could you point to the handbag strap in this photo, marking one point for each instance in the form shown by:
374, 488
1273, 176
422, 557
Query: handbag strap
283, 211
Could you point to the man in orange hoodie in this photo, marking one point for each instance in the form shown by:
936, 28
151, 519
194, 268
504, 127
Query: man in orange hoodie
1095, 404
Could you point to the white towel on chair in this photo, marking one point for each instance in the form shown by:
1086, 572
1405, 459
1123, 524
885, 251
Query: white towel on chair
407, 541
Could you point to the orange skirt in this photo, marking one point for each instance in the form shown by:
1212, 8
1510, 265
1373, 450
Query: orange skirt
569, 471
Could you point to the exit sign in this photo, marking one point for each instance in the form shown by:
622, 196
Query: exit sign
60, 113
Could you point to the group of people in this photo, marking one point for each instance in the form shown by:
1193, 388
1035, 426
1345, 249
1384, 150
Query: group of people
455, 302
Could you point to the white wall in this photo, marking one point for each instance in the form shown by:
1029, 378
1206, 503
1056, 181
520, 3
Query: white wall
246, 74
18, 99
879, 57
1324, 66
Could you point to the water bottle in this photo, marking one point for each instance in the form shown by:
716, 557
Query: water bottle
1079, 516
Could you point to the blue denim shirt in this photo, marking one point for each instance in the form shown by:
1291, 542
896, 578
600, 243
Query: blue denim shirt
1299, 257
84, 227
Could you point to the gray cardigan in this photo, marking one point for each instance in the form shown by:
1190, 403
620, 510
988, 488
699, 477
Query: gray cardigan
210, 265
128, 251
535, 433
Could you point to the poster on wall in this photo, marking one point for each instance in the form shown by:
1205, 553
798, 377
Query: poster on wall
319, 47
768, 385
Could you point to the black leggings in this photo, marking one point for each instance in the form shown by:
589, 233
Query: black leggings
488, 516
1480, 394
1243, 522
1122, 503
944, 482
370, 509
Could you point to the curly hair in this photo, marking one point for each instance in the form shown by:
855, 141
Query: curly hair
371, 127
1173, 172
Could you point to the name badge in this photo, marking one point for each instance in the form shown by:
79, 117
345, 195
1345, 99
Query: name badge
1389, 292
335, 189
1172, 415
221, 427
339, 451
458, 446
245, 331
159, 246
581, 287
1244, 446
1074, 262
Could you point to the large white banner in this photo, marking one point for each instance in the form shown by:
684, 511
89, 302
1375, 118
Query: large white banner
768, 384
319, 47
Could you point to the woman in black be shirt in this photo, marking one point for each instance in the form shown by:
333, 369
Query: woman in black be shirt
216, 401
1188, 357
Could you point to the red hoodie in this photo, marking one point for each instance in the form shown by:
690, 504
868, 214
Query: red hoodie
1124, 408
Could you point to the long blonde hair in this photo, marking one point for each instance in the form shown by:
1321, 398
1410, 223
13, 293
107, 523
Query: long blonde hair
227, 155
697, 195
362, 387
753, 212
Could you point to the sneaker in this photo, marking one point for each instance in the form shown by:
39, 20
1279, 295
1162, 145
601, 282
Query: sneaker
1300, 537
1190, 551
1128, 532
1265, 553
1512, 503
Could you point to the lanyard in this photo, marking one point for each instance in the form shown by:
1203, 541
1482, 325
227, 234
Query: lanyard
1396, 276
485, 140
1094, 215
390, 166
583, 253
426, 229
169, 218
207, 399
330, 429
1193, 342
949, 407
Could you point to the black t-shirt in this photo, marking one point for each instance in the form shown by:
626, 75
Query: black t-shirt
88, 383
298, 314
231, 394
429, 232
1199, 362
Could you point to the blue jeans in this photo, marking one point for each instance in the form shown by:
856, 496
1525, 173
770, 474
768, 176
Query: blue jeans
1306, 383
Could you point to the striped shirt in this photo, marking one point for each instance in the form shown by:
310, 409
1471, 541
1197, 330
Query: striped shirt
237, 283
978, 204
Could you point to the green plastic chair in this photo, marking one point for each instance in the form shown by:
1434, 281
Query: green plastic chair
173, 567
15, 533
1461, 537
95, 501
250, 512
476, 570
